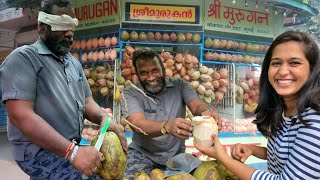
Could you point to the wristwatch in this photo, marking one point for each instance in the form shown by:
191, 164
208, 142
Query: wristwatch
163, 129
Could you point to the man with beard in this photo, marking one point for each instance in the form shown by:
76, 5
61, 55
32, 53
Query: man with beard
47, 98
156, 106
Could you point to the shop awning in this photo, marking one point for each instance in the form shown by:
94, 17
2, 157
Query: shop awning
295, 5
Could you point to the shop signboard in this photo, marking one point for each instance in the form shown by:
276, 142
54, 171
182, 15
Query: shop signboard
242, 17
186, 12
97, 13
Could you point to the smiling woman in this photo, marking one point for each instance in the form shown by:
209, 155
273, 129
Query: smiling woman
288, 114
290, 68
288, 72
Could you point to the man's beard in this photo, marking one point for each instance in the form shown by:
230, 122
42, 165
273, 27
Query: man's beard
59, 46
161, 82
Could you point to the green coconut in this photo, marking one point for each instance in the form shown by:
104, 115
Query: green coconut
208, 170
181, 177
114, 165
228, 174
157, 174
141, 176
124, 35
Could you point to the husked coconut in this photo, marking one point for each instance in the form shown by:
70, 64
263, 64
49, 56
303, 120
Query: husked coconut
107, 42
208, 43
203, 128
114, 41
196, 38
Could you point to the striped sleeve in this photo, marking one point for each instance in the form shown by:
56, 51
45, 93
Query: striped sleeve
304, 159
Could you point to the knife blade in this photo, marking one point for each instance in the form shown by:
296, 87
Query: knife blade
101, 135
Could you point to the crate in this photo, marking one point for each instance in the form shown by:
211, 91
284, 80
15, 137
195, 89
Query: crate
3, 115
3, 112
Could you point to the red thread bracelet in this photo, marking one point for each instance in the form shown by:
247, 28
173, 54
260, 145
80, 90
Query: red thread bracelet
68, 150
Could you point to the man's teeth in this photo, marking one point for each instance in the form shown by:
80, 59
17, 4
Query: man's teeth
284, 81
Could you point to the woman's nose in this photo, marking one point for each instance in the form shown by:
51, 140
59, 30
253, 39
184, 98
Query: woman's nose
284, 69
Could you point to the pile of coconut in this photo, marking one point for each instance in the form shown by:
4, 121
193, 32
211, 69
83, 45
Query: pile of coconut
94, 49
98, 55
245, 126
235, 45
179, 65
127, 69
182, 65
93, 43
234, 58
227, 125
247, 91
210, 84
171, 37
208, 169
101, 79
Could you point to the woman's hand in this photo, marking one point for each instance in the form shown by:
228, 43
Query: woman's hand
216, 150
241, 152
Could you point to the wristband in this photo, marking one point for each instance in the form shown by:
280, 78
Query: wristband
74, 153
163, 130
68, 150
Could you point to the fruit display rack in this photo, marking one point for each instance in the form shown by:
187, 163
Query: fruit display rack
160, 38
223, 50
98, 48
243, 59
97, 54
174, 46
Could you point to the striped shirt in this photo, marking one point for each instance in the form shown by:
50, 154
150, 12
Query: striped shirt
294, 153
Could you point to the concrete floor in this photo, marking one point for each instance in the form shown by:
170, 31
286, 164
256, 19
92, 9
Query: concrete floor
8, 167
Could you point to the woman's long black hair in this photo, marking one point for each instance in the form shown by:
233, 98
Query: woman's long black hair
271, 105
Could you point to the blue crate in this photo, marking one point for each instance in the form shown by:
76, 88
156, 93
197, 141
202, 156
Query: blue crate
3, 114
3, 111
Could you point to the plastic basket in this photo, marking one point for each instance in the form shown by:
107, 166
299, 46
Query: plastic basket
3, 115
3, 112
